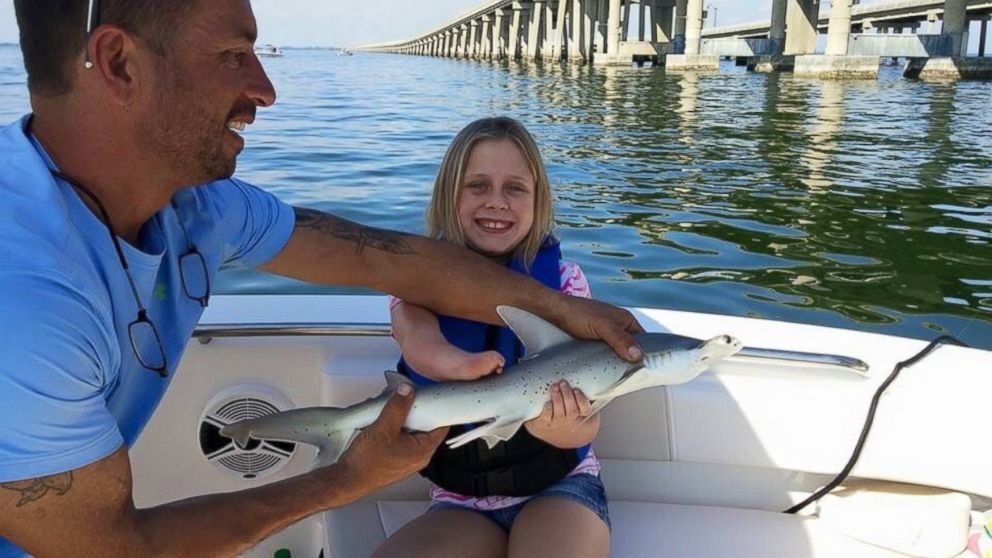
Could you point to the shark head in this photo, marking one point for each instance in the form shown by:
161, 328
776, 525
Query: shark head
672, 359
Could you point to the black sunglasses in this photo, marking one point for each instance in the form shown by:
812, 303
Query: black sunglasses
192, 265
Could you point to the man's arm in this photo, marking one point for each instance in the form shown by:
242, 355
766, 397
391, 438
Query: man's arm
90, 511
439, 276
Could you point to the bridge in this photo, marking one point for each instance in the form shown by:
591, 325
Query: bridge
670, 33
905, 14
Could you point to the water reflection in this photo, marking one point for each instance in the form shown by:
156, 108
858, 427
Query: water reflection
827, 124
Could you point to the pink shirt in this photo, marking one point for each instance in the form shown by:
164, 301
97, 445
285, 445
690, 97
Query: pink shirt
573, 283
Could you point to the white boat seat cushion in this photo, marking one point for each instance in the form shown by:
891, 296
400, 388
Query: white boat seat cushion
916, 520
652, 530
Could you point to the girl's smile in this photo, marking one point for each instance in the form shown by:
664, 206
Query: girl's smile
496, 202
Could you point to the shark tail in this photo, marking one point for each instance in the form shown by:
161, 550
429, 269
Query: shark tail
317, 426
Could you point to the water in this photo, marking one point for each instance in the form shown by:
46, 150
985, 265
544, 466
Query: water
863, 205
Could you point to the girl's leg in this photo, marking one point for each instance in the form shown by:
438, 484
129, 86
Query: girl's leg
552, 526
446, 533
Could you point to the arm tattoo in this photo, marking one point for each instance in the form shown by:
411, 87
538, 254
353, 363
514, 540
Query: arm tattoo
362, 236
35, 489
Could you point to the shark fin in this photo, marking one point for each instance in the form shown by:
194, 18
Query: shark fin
629, 382
332, 446
597, 406
393, 380
535, 333
493, 432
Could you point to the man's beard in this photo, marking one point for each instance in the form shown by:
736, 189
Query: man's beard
189, 139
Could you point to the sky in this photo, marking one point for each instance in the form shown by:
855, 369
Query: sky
337, 22
302, 23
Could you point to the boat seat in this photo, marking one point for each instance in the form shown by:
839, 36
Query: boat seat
640, 530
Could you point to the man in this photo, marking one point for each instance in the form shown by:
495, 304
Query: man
108, 252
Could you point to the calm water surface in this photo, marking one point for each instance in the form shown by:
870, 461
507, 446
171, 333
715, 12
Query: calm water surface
864, 205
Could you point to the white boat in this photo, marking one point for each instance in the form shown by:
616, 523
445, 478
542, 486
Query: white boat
345, 52
268, 51
698, 470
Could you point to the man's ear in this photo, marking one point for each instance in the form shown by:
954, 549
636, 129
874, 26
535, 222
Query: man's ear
116, 61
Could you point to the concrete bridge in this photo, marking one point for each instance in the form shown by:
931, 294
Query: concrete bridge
670, 32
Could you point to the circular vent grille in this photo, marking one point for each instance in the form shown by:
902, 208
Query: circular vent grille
257, 458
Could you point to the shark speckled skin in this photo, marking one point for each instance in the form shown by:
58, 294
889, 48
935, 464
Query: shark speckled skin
503, 402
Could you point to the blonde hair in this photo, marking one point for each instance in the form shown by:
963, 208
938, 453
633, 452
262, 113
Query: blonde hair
442, 213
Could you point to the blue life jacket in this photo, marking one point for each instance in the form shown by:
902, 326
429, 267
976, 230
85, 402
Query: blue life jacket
523, 465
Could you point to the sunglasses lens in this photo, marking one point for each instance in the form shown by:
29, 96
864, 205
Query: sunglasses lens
196, 283
147, 345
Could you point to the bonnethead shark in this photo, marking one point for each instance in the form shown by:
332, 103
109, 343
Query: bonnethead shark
502, 403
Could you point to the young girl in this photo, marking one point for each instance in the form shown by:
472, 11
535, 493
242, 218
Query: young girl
538, 494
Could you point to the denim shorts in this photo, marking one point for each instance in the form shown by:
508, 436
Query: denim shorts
585, 489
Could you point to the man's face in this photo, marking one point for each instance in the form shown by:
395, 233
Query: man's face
206, 89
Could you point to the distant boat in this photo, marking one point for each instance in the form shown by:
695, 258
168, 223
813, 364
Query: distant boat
345, 52
268, 50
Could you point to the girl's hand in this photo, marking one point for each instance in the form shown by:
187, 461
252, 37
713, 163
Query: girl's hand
562, 422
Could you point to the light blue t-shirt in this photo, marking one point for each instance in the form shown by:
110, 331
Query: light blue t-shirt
71, 389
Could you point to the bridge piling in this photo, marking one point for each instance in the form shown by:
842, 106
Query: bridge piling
983, 36
693, 60
954, 64
837, 63
775, 60
594, 31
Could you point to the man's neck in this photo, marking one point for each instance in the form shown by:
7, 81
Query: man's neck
103, 160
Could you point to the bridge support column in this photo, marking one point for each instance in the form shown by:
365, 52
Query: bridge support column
955, 25
576, 39
693, 26
590, 13
774, 61
512, 48
983, 36
485, 42
777, 33
640, 21
558, 42
839, 28
610, 57
535, 31
693, 60
678, 41
473, 39
661, 22
498, 47
836, 64
547, 48
599, 29
801, 19
956, 66
625, 21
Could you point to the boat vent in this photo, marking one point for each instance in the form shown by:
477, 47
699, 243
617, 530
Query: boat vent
257, 458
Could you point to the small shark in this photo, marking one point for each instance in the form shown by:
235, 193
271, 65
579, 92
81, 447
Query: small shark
502, 403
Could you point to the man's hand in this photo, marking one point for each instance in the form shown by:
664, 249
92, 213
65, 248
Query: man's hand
384, 453
585, 318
